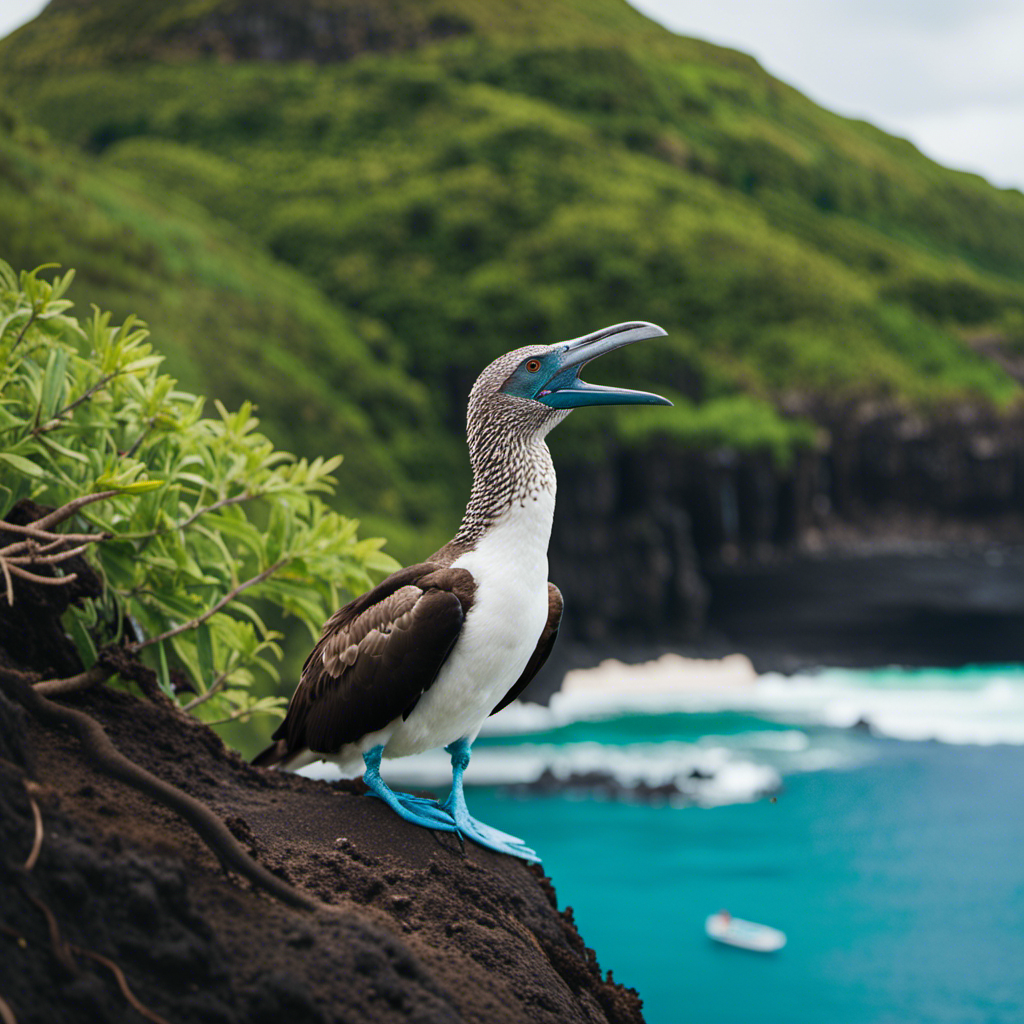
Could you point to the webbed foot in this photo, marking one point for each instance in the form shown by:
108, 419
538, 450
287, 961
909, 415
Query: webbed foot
417, 810
468, 826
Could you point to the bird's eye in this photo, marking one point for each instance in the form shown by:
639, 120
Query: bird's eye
533, 365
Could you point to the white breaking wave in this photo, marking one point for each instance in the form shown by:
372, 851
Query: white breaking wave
959, 707
934, 705
701, 773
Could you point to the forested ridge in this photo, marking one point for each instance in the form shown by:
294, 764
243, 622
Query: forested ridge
448, 180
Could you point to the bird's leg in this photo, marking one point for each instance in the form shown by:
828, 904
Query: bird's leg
480, 833
415, 809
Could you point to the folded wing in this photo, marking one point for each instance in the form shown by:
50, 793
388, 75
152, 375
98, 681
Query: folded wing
374, 660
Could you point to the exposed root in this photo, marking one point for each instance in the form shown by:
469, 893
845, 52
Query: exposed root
53, 550
104, 756
6, 1013
60, 946
63, 950
122, 984
37, 842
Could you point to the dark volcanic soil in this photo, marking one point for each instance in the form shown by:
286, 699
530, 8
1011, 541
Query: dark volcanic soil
414, 929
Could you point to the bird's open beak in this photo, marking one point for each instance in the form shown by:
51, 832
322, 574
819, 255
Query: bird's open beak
565, 390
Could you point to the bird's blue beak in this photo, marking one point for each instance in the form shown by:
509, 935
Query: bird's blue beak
565, 390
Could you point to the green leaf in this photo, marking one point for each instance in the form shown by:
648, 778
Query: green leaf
142, 437
83, 642
54, 379
204, 648
64, 452
163, 673
141, 486
22, 464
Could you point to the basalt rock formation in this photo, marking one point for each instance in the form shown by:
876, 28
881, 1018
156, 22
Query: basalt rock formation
899, 532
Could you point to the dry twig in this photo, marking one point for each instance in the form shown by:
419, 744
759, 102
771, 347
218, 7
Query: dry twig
122, 984
37, 842
6, 1013
18, 553
68, 510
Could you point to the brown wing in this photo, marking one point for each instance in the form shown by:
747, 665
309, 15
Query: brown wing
543, 649
374, 660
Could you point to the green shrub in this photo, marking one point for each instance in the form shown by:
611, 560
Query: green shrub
196, 524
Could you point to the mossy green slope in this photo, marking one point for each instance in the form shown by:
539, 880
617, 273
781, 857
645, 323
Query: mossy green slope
506, 173
226, 315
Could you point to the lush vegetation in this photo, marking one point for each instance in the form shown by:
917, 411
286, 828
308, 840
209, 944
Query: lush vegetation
232, 323
517, 177
197, 525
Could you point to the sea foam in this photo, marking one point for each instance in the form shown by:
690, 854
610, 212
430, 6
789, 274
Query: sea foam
587, 737
976, 705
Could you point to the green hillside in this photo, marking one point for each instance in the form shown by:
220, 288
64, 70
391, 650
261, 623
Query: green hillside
455, 178
228, 317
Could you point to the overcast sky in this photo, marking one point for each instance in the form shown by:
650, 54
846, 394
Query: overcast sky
946, 74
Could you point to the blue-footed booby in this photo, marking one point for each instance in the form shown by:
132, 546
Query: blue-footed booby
424, 657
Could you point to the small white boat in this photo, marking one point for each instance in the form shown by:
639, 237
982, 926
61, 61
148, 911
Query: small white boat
734, 931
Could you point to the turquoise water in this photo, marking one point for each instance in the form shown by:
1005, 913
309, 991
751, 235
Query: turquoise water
896, 868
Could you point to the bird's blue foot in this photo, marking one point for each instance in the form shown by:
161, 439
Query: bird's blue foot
468, 826
418, 810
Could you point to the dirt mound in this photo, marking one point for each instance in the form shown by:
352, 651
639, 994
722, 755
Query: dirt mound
413, 928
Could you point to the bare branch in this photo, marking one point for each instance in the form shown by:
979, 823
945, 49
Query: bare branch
226, 599
8, 582
34, 532
37, 842
214, 688
68, 510
35, 558
72, 684
46, 581
28, 552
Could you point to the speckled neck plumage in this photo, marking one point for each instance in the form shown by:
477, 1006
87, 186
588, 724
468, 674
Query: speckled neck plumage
511, 463
505, 475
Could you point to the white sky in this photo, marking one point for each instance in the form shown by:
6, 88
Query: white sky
946, 74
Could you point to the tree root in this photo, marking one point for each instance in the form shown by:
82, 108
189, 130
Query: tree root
6, 1013
63, 950
37, 817
103, 755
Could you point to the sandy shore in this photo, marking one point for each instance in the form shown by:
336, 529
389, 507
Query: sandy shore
668, 674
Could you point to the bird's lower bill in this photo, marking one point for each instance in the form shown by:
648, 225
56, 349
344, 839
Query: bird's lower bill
580, 393
565, 390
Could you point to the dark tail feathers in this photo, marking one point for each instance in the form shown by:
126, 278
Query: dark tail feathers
273, 755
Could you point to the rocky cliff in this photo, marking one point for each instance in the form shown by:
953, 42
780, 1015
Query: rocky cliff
896, 520
148, 872
121, 904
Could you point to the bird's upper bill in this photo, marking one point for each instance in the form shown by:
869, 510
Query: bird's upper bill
553, 377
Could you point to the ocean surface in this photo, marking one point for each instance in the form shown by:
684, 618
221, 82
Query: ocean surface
877, 818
